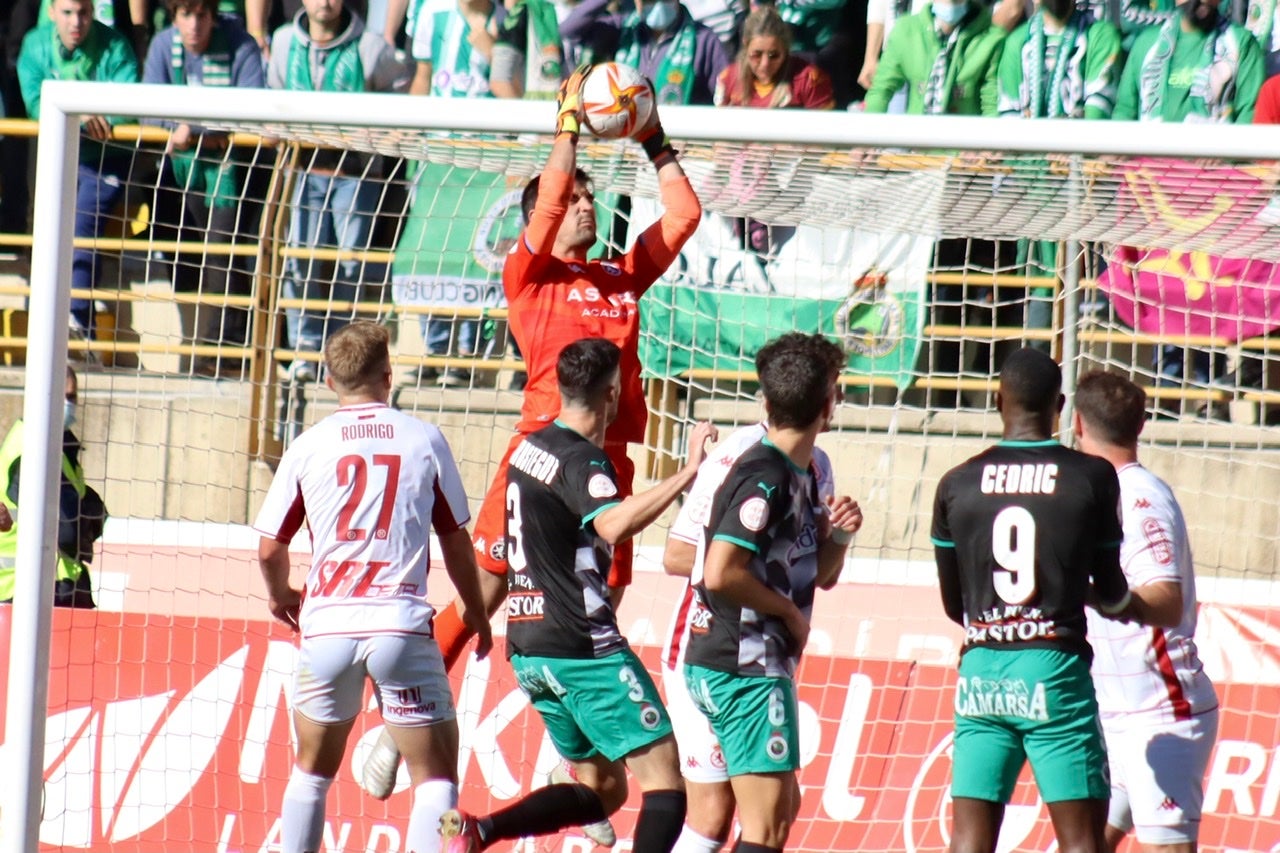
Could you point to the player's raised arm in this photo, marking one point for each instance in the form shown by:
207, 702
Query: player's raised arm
626, 519
681, 209
555, 187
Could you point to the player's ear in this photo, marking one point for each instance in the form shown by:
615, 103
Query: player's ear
1077, 424
1062, 401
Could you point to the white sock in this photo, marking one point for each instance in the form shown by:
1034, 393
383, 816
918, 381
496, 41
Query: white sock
691, 842
302, 814
431, 799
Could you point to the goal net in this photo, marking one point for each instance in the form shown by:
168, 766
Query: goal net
930, 248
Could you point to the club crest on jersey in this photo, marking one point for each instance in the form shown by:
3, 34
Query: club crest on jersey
498, 550
777, 747
754, 514
601, 486
649, 717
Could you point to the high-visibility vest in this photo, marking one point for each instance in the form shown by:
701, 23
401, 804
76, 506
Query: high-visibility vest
68, 568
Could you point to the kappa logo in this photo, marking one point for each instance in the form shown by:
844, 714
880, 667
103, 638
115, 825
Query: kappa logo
1168, 804
1142, 503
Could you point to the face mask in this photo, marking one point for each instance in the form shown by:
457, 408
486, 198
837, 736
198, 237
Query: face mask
950, 14
68, 414
662, 15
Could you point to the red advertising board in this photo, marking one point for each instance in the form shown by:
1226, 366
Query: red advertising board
168, 727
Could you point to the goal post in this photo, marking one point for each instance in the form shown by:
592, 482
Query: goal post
872, 229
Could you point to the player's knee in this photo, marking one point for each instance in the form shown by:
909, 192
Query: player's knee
710, 810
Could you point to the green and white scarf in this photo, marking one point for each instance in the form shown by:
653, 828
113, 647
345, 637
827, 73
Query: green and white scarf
343, 70
937, 89
1261, 21
216, 68
216, 180
1213, 88
453, 55
543, 60
1064, 95
674, 80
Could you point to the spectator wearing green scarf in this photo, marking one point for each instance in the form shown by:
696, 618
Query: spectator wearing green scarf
198, 198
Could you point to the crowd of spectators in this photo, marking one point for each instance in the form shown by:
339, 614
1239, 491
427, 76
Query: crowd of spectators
1052, 59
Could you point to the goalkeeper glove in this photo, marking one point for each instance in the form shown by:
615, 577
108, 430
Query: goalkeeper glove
652, 138
569, 103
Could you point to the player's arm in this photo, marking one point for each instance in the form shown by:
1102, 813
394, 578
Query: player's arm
278, 521
1110, 587
844, 519
945, 557
681, 209
1158, 604
625, 519
283, 600
678, 557
555, 186
449, 515
727, 572
460, 563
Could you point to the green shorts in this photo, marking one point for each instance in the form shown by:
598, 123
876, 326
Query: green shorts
606, 705
756, 718
1032, 704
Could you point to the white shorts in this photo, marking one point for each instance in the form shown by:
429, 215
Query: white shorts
700, 756
408, 675
1157, 775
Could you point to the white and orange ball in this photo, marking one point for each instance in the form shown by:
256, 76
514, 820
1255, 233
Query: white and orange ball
616, 99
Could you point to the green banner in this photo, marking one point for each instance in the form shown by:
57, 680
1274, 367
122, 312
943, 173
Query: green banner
460, 226
690, 328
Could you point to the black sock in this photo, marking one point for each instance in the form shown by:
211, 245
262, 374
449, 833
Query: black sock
543, 812
748, 847
661, 819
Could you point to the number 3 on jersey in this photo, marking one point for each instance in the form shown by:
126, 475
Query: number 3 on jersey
515, 539
1013, 545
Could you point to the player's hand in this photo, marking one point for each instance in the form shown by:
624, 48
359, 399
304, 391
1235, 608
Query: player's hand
6, 520
798, 627
569, 114
478, 623
285, 605
703, 432
845, 517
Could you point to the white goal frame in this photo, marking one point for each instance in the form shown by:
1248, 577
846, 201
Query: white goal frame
64, 103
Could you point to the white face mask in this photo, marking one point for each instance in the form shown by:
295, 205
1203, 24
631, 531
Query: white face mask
950, 14
661, 14
68, 414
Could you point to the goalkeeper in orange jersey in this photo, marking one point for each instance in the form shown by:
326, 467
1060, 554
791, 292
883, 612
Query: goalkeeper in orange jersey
556, 296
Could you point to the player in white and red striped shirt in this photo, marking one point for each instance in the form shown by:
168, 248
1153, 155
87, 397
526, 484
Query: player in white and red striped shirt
1159, 710
368, 480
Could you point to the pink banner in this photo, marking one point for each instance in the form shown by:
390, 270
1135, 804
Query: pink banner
1159, 291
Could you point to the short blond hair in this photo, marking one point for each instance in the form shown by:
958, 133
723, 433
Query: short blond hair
357, 356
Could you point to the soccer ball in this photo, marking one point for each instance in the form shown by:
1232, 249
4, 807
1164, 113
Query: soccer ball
616, 99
